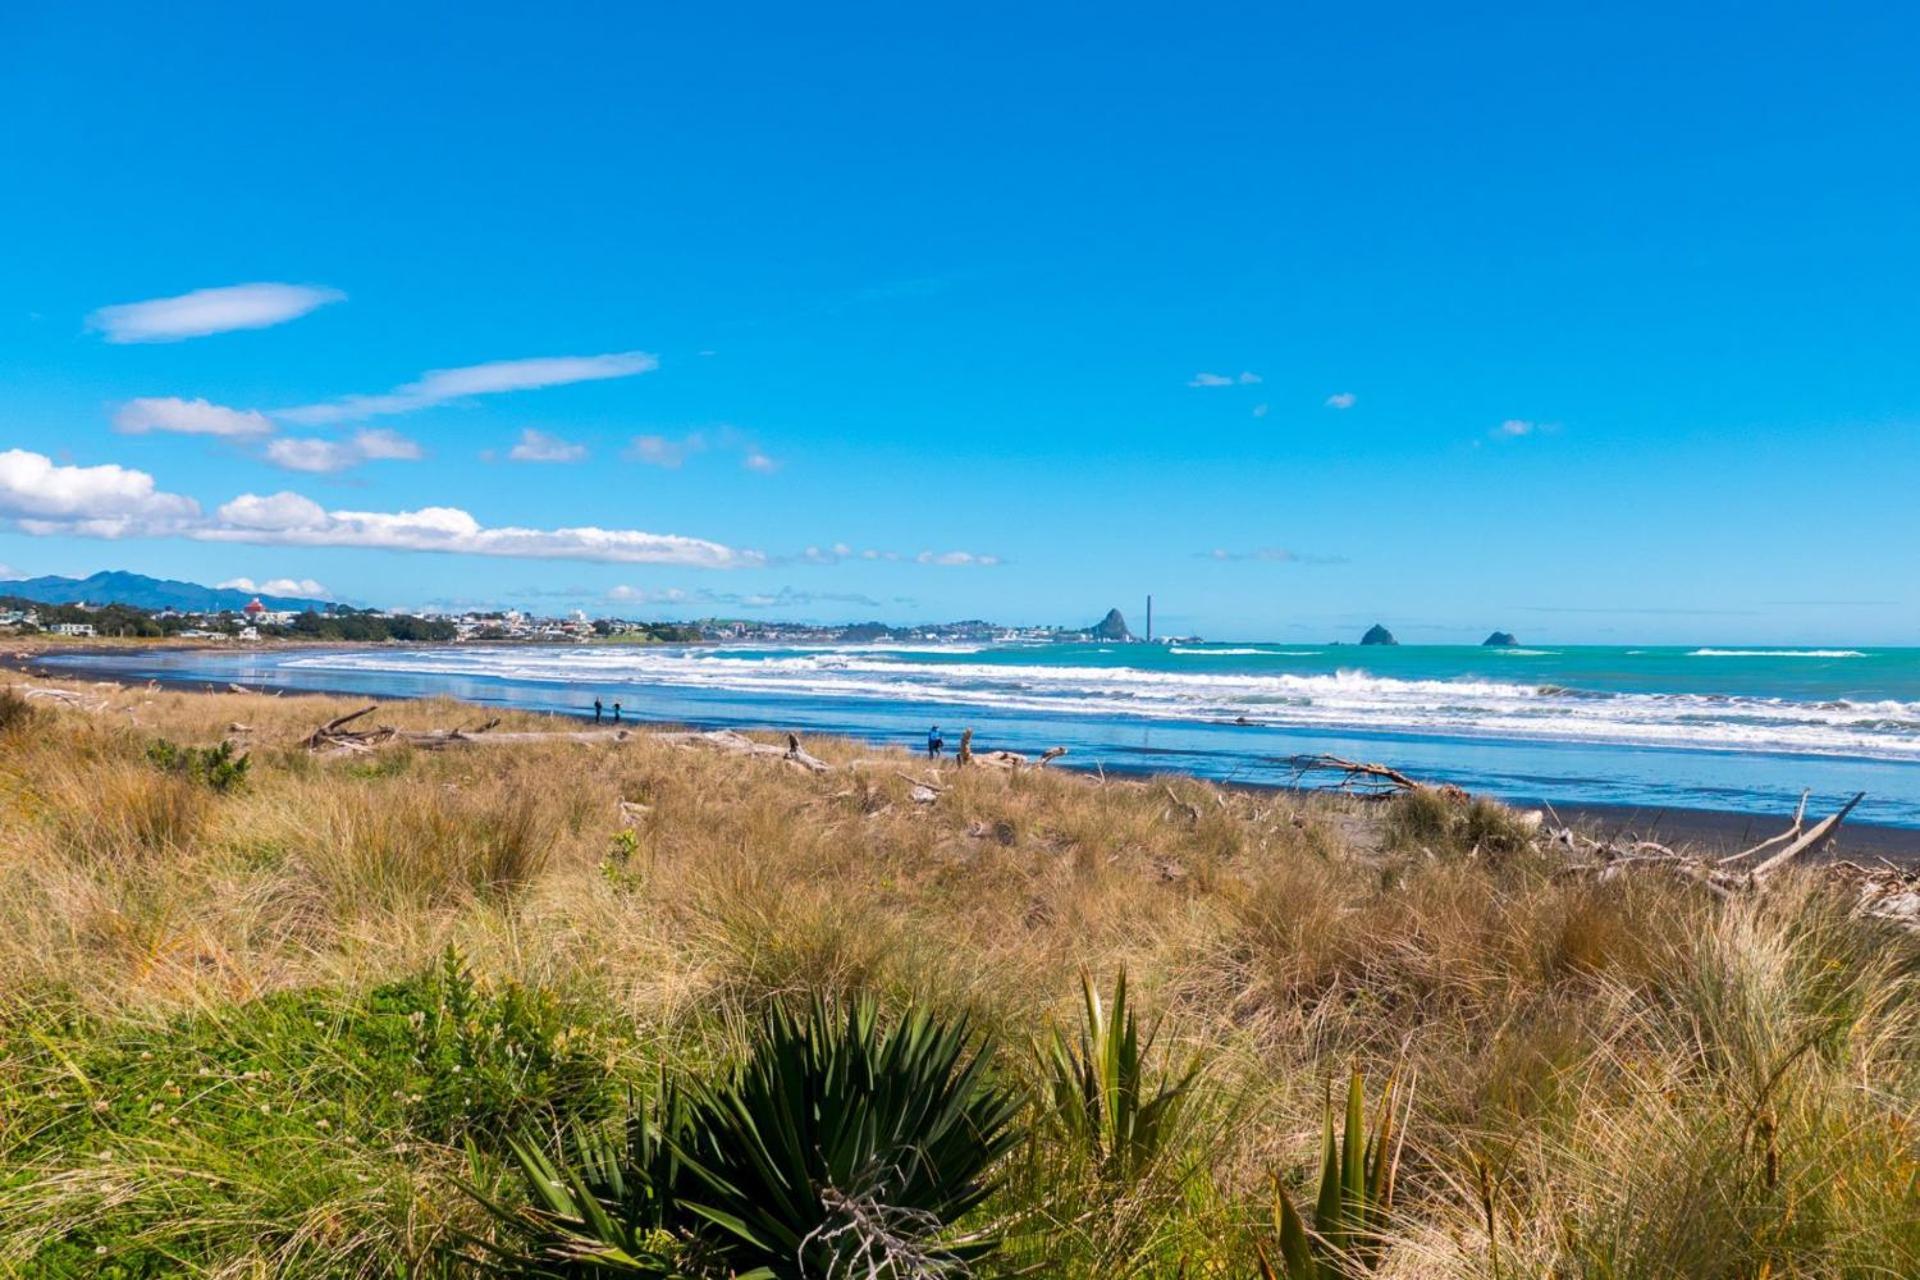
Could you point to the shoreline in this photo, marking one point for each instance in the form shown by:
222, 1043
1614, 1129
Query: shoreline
1717, 830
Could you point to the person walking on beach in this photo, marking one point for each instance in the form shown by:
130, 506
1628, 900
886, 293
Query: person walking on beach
616, 713
934, 743
596, 711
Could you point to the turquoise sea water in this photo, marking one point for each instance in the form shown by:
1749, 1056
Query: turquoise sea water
1716, 727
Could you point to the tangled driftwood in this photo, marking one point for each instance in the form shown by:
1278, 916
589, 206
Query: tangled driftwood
1369, 781
1886, 892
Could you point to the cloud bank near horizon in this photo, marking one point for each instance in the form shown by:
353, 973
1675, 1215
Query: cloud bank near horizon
44, 498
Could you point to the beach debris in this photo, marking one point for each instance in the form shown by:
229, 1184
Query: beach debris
1192, 813
964, 756
334, 738
1887, 892
1368, 781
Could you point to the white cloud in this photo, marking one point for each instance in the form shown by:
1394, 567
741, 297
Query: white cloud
538, 446
278, 587
1247, 379
381, 444
1260, 410
665, 451
208, 311
1210, 380
1342, 400
660, 451
1518, 428
1269, 555
785, 597
956, 558
318, 456
190, 418
290, 519
441, 385
1275, 555
641, 595
108, 501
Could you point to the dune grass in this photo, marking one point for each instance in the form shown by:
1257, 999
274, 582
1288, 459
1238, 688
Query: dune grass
272, 1029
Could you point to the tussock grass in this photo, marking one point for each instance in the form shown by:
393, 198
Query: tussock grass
1625, 1080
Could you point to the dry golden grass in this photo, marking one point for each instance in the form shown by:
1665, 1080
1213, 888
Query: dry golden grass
1658, 1084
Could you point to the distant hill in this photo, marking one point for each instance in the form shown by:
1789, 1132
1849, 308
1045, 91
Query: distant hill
142, 592
1111, 627
1377, 634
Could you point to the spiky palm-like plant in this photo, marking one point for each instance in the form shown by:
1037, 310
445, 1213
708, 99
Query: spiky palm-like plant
839, 1147
1356, 1193
1104, 1095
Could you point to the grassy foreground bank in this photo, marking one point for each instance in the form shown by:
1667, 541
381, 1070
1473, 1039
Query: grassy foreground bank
288, 1020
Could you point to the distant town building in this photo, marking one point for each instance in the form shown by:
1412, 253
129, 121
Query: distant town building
73, 628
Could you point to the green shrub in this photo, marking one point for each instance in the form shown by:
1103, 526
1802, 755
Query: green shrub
492, 1061
1449, 823
217, 767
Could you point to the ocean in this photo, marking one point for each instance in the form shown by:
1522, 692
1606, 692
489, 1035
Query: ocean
1727, 727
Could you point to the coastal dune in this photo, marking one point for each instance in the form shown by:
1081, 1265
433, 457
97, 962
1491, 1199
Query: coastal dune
270, 1017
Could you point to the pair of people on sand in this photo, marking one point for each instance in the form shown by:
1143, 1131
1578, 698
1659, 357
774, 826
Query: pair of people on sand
598, 711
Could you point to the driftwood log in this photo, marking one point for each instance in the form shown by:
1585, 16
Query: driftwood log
1369, 781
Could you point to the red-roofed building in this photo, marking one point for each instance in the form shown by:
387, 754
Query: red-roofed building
254, 610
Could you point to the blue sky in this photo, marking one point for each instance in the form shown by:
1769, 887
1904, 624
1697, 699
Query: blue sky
1586, 323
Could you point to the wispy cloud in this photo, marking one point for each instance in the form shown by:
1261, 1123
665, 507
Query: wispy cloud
278, 587
322, 456
190, 418
1342, 400
1260, 410
667, 451
956, 559
538, 446
661, 451
210, 311
44, 497
1269, 555
784, 598
440, 386
1223, 380
1630, 609
1520, 428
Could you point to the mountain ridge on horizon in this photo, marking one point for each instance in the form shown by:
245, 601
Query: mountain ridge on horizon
117, 586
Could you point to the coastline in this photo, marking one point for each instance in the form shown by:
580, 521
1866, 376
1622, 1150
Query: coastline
1713, 830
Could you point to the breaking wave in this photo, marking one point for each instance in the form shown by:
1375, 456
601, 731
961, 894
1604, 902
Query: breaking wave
1776, 653
1344, 699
